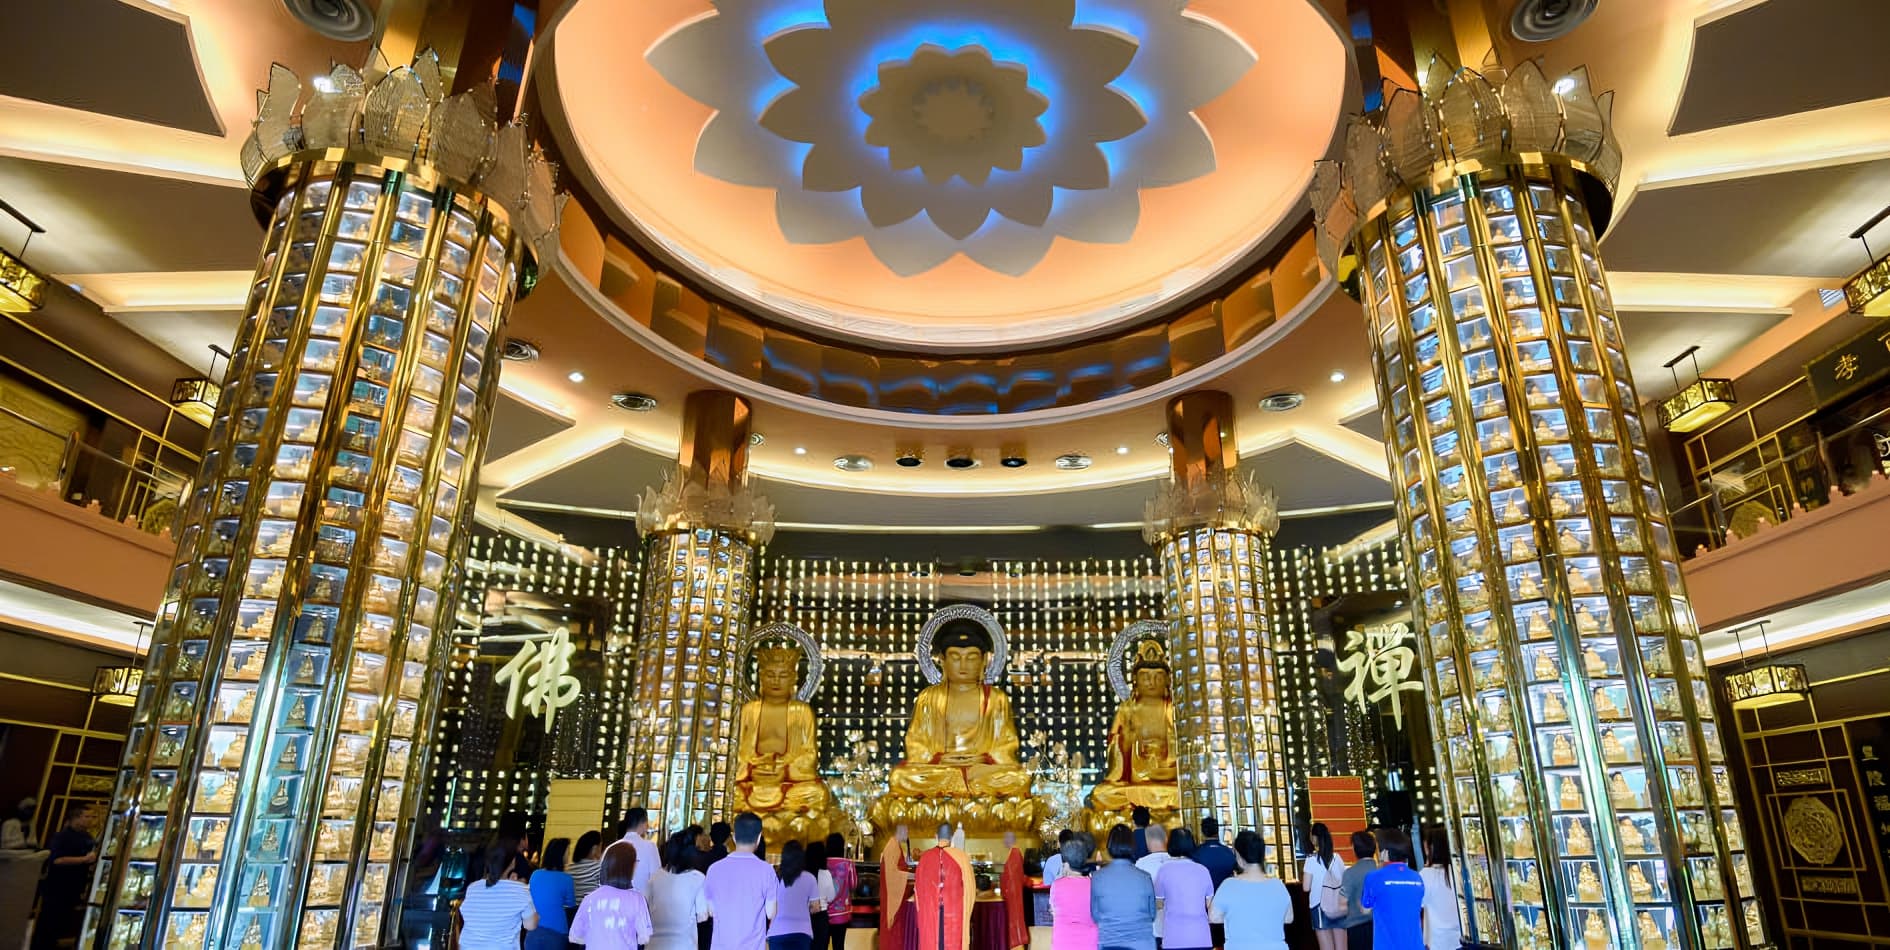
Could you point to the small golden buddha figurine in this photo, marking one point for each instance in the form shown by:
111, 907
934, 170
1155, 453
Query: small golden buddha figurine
1568, 541
1527, 588
1513, 798
1552, 708
1687, 787
1493, 674
279, 801
1735, 839
220, 800
364, 676
1718, 932
1524, 889
1578, 582
1502, 755
1633, 839
1593, 663
1579, 843
346, 758
1538, 625
1569, 793
1754, 928
1588, 886
202, 887
177, 706
1512, 513
190, 937
1638, 885
1544, 668
288, 761
232, 756
252, 935
327, 840
1522, 841
245, 664
1559, 506
1562, 751
1651, 937
1542, 430
297, 717
1619, 792
1611, 748
1505, 476
259, 892
382, 841
1595, 928
1495, 713
1707, 881
1552, 467
245, 707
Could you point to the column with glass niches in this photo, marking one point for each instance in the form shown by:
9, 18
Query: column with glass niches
1579, 755
275, 759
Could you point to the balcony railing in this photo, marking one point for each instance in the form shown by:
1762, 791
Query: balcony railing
140, 492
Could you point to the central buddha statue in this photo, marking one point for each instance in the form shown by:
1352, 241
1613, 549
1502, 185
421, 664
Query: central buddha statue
776, 774
961, 749
1141, 748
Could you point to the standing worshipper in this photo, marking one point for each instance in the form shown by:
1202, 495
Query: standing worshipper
816, 864
718, 845
554, 896
636, 824
677, 904
894, 878
1394, 893
1183, 889
614, 916
587, 863
1253, 907
16, 833
1011, 886
1122, 898
796, 895
1323, 879
942, 894
68, 870
1155, 839
496, 907
741, 890
845, 878
1071, 927
1053, 865
1443, 915
1139, 819
1220, 861
1358, 917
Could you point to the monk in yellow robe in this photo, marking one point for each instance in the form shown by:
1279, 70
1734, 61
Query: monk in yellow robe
942, 895
894, 877
1011, 888
962, 740
776, 775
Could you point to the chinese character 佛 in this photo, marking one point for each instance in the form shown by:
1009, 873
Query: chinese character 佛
1380, 659
544, 673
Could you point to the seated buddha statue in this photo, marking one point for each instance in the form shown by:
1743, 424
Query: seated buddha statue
961, 749
1141, 745
776, 773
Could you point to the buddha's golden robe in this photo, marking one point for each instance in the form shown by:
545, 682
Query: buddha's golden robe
797, 787
1141, 758
938, 730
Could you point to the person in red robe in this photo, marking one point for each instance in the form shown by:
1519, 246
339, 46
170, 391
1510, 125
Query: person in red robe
894, 876
1011, 886
942, 894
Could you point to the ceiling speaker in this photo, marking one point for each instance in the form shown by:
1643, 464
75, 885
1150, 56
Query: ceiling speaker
1538, 21
345, 20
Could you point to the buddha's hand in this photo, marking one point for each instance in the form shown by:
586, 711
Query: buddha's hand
961, 759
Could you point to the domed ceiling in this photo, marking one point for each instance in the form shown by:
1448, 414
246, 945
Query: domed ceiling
951, 174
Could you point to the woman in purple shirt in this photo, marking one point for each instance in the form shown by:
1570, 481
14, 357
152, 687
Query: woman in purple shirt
1183, 890
795, 898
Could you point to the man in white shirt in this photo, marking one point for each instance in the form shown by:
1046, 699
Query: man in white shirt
1053, 865
636, 834
1152, 862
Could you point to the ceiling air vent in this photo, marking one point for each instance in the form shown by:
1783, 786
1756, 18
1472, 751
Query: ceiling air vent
345, 20
1539, 21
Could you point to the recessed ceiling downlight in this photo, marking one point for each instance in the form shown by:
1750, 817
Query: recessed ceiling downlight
1282, 402
1073, 462
961, 462
345, 20
518, 351
756, 438
1538, 21
1013, 461
853, 463
634, 402
909, 460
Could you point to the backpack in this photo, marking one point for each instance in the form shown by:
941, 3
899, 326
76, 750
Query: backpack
1332, 901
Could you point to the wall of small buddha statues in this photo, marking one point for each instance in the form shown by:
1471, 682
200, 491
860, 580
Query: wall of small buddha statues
1060, 618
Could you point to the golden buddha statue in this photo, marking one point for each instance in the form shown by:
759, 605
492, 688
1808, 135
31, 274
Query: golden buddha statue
776, 773
1579, 842
1141, 746
961, 748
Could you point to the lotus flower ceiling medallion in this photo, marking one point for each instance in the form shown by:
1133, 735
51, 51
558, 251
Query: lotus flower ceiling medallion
937, 127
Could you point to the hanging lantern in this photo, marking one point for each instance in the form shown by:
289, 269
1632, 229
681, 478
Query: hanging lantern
1757, 686
1695, 405
117, 685
195, 397
1868, 293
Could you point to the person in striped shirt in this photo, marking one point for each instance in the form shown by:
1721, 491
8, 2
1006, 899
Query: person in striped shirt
586, 863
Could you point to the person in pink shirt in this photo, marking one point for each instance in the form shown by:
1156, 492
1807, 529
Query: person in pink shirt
1071, 927
614, 917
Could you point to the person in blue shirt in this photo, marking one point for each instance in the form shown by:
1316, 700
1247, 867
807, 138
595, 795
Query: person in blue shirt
1394, 893
1122, 897
554, 895
1212, 854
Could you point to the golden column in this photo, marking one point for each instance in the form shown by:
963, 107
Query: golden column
1213, 531
703, 529
277, 752
1576, 739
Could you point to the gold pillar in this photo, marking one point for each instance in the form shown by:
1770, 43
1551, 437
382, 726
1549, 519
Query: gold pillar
1213, 531
277, 752
1576, 744
703, 529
